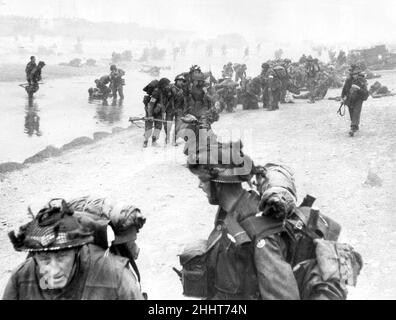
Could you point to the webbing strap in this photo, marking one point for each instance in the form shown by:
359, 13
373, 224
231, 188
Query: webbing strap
261, 226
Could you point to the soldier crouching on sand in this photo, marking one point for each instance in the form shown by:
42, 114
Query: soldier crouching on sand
64, 264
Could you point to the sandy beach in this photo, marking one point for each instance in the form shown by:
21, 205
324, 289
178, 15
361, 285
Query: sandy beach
310, 138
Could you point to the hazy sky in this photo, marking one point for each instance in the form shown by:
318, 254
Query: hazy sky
326, 21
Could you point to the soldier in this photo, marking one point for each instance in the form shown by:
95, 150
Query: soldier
251, 255
103, 89
240, 72
251, 93
312, 70
175, 105
29, 68
117, 83
198, 102
227, 70
377, 90
320, 89
353, 94
227, 94
153, 108
274, 90
264, 83
125, 221
63, 264
33, 79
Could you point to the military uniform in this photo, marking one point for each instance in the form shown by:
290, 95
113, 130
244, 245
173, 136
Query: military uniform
175, 106
252, 93
227, 98
29, 68
240, 73
354, 93
253, 250
153, 108
274, 90
97, 277
33, 79
86, 271
104, 90
117, 83
264, 84
198, 101
312, 70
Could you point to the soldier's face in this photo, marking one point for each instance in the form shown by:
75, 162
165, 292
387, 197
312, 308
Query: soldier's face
55, 268
207, 187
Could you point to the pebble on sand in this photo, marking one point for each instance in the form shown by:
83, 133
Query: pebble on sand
373, 180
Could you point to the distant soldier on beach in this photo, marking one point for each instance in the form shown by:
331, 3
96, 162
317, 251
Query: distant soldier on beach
117, 82
29, 68
33, 77
353, 94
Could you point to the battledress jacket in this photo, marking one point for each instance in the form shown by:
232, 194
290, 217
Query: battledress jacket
360, 95
97, 277
253, 270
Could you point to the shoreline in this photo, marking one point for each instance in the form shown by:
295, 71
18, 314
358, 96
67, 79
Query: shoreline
51, 151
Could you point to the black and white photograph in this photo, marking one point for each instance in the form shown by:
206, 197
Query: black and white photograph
197, 150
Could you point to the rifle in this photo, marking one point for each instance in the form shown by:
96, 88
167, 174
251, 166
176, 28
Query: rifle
340, 111
24, 85
133, 119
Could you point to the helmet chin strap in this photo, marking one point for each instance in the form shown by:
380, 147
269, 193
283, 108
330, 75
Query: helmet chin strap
214, 199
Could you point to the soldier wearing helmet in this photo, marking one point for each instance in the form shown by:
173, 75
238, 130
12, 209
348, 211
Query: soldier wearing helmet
228, 70
240, 72
265, 67
354, 92
255, 244
64, 263
240, 265
198, 101
175, 101
154, 106
117, 83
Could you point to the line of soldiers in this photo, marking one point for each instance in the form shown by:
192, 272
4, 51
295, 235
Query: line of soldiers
166, 103
109, 86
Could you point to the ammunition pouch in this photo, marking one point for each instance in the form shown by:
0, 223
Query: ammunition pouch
196, 275
338, 261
